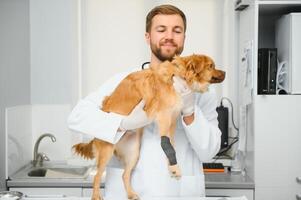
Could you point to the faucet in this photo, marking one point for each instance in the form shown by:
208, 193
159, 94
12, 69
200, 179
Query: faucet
38, 158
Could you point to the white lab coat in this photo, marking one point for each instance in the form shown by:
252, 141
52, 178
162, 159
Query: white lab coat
198, 142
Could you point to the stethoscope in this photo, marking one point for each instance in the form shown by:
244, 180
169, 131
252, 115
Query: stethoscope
143, 64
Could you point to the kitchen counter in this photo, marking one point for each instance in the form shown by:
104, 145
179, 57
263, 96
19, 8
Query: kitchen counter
214, 180
228, 180
144, 198
222, 184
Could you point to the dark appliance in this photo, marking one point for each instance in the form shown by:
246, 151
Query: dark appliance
222, 118
267, 71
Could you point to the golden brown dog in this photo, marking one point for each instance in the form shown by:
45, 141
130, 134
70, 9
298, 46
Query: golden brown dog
162, 104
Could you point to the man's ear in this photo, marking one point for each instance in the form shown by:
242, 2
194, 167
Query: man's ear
147, 37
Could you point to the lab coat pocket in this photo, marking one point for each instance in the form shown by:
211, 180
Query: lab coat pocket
191, 186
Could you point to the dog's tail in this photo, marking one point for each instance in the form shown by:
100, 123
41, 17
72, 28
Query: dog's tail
84, 149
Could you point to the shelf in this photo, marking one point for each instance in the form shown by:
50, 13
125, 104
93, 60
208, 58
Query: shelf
269, 13
279, 9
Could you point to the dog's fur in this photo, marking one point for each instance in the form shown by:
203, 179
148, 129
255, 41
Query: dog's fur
162, 103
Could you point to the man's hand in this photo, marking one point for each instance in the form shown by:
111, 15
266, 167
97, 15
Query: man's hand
187, 94
136, 119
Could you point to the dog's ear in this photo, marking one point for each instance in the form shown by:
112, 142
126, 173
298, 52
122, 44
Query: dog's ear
195, 64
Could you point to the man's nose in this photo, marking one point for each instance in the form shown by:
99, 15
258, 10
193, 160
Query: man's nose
169, 34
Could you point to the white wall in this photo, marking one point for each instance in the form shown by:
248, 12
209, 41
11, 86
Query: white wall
39, 65
14, 64
230, 61
19, 138
113, 37
52, 119
53, 51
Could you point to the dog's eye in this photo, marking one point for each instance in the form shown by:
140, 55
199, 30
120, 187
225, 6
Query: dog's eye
211, 66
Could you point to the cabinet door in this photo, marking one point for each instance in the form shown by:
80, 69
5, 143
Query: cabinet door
277, 146
249, 193
292, 128
49, 192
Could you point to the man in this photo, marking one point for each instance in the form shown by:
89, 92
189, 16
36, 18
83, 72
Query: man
197, 137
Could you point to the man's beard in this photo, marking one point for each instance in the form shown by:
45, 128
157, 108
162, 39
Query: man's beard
157, 51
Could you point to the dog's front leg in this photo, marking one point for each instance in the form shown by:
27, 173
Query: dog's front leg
174, 169
166, 127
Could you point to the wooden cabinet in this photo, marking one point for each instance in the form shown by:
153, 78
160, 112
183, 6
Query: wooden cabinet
272, 121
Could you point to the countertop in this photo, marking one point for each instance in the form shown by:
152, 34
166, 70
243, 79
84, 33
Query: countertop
214, 180
145, 198
231, 180
228, 180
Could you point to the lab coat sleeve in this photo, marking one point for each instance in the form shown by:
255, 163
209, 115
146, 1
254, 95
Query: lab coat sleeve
203, 133
88, 118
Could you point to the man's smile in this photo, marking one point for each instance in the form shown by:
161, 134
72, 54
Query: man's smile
168, 44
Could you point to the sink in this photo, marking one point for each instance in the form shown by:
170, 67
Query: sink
59, 172
53, 171
76, 171
37, 173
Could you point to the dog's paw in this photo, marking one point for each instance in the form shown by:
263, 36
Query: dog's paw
175, 171
94, 197
133, 196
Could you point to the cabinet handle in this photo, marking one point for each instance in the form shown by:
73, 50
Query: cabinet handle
298, 179
298, 196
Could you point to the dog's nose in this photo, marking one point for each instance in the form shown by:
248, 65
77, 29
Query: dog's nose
223, 75
218, 77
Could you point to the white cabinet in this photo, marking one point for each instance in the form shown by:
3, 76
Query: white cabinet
273, 121
249, 193
53, 192
56, 192
277, 146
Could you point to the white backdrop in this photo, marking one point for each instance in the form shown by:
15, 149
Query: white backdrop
113, 36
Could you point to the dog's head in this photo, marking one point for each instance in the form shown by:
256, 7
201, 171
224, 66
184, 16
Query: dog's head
198, 71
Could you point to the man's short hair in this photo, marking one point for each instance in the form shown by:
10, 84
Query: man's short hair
164, 10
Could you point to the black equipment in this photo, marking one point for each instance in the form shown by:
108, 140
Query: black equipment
223, 116
267, 71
